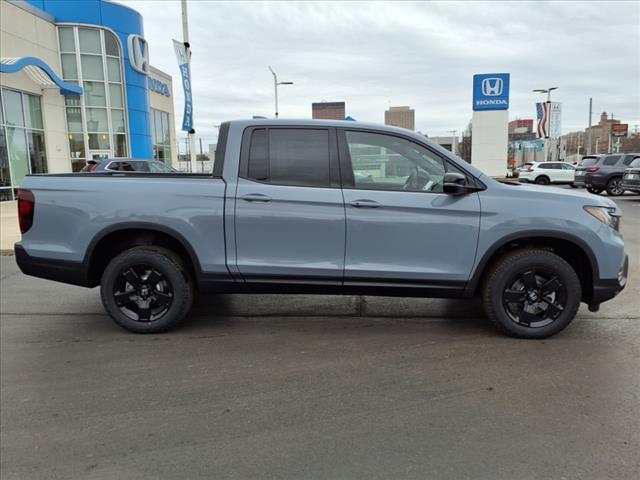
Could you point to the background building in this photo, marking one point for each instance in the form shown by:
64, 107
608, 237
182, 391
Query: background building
328, 110
76, 85
403, 117
450, 143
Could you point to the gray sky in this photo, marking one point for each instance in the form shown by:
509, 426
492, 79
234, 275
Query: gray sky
373, 55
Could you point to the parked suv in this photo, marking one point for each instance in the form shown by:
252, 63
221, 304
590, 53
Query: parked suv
545, 173
631, 179
599, 173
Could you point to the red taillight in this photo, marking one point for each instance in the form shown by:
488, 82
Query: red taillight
26, 207
530, 169
93, 167
593, 169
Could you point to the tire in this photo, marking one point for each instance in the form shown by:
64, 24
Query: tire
531, 293
573, 186
614, 187
542, 180
142, 307
595, 191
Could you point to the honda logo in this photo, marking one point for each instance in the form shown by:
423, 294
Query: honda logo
492, 87
138, 54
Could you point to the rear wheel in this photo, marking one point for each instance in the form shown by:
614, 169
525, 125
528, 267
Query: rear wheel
147, 290
531, 293
595, 191
542, 180
614, 187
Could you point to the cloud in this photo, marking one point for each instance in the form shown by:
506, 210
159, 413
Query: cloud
373, 55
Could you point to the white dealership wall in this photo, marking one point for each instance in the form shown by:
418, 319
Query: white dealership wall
489, 141
27, 32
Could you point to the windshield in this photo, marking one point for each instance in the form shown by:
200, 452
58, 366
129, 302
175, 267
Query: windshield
588, 161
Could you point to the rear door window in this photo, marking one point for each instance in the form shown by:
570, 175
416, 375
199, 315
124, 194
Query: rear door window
611, 160
290, 156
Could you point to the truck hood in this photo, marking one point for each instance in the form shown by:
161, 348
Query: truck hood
538, 192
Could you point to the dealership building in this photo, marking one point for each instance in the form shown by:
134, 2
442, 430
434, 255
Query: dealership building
76, 85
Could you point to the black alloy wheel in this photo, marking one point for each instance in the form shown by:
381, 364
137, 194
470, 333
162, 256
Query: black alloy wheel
614, 187
147, 289
143, 293
531, 293
534, 298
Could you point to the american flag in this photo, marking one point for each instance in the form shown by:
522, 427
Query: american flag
542, 130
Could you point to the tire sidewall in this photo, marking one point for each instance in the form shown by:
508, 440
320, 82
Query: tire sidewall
167, 266
521, 262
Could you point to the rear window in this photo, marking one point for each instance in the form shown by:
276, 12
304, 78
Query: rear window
612, 160
588, 161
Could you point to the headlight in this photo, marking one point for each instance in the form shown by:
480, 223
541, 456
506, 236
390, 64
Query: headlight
607, 215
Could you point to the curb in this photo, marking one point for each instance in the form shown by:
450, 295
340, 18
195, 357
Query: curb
6, 253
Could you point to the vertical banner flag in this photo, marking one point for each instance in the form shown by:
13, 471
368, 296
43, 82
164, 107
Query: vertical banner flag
542, 116
182, 55
555, 120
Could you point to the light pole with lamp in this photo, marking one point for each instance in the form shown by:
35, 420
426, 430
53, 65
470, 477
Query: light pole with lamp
546, 138
275, 86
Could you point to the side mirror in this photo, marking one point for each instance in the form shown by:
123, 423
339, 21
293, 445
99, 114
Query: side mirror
455, 184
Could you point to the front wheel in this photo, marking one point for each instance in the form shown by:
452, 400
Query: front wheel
531, 293
614, 187
147, 290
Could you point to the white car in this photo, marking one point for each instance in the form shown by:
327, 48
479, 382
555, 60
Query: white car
544, 173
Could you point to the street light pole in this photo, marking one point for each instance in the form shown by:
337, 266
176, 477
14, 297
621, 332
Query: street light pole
546, 139
185, 38
275, 87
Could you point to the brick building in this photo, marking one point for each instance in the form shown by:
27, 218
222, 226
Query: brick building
404, 117
328, 110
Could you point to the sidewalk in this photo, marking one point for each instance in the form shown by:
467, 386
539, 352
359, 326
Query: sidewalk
9, 229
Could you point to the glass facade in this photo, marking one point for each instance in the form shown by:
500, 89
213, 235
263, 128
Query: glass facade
161, 135
22, 148
96, 120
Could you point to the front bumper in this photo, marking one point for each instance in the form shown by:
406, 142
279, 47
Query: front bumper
606, 289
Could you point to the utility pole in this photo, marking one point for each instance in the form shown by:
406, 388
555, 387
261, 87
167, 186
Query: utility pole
589, 136
185, 39
275, 87
610, 145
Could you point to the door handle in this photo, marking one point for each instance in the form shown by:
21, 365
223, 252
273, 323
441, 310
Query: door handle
364, 204
255, 197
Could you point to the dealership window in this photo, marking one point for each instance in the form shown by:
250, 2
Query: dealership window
161, 137
96, 120
22, 149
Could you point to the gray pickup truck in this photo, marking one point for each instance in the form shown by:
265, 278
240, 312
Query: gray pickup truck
323, 207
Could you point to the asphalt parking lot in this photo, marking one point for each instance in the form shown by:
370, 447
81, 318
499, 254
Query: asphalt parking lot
316, 387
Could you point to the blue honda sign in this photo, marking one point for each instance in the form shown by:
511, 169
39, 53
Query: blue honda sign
491, 91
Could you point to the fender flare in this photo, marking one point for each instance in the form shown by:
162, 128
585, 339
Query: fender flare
530, 234
88, 256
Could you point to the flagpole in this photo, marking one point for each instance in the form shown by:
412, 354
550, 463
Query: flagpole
185, 38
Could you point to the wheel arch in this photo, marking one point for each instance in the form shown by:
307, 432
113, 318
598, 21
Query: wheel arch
112, 240
569, 247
